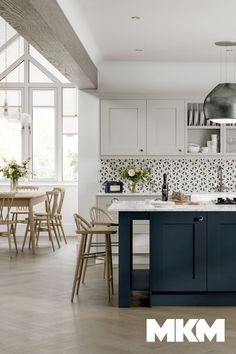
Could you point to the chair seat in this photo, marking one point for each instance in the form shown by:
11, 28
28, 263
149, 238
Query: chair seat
17, 212
95, 230
7, 222
105, 223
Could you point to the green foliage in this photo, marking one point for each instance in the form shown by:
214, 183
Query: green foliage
135, 174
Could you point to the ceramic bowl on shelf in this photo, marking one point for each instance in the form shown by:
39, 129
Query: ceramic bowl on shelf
193, 148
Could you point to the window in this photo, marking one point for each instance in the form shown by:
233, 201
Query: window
70, 135
43, 124
33, 84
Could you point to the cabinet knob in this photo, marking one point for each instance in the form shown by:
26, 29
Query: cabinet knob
141, 150
200, 218
180, 150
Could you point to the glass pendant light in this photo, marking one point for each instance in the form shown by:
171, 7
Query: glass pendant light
220, 104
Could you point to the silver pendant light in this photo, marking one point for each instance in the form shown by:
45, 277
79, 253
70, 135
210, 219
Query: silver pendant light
220, 104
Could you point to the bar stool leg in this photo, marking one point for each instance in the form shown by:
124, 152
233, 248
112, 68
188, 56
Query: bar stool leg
80, 270
111, 265
86, 260
77, 268
108, 266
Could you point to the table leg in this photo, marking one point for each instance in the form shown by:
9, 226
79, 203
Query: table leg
31, 221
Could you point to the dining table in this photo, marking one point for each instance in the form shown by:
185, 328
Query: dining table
29, 199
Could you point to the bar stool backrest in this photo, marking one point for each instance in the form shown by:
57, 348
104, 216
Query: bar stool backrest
100, 215
6, 200
81, 223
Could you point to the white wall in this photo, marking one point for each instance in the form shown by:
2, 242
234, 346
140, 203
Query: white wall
88, 151
165, 79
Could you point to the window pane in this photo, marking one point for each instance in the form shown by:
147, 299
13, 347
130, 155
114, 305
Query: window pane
44, 142
13, 97
36, 75
37, 56
16, 75
10, 31
69, 101
10, 148
70, 157
14, 51
43, 98
70, 125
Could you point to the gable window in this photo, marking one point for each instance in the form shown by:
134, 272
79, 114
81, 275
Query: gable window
50, 136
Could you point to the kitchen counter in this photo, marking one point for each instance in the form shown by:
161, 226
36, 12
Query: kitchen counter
192, 254
138, 206
128, 194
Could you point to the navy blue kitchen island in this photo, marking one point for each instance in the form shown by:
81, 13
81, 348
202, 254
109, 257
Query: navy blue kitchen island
192, 255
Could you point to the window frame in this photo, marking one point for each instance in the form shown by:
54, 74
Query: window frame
27, 88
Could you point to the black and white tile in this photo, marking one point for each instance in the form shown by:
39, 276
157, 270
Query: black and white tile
187, 175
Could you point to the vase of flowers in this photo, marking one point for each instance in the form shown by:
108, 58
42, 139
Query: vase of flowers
134, 175
14, 171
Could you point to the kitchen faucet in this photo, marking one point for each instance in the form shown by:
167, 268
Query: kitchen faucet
220, 187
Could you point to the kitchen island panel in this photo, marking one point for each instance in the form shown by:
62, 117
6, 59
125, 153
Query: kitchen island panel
221, 252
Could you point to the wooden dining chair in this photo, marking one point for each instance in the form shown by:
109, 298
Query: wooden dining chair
6, 200
20, 214
58, 214
45, 222
87, 232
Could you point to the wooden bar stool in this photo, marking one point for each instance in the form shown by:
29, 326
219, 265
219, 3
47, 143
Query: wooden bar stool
99, 216
87, 233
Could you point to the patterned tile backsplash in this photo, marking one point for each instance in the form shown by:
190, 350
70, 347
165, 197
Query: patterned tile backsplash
186, 175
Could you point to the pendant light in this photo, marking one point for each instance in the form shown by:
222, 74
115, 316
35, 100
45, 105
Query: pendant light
220, 104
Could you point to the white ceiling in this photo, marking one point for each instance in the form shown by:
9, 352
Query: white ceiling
169, 30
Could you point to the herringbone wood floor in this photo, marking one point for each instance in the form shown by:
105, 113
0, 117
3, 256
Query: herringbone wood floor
36, 316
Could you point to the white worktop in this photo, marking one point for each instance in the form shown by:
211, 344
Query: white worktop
146, 206
129, 194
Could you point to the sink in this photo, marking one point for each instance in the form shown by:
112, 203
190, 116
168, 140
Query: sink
205, 197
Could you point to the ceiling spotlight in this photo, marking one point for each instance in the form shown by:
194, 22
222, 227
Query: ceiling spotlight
135, 18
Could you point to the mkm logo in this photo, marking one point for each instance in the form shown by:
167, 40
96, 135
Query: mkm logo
175, 330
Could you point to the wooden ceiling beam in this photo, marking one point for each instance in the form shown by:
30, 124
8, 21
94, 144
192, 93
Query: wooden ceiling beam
44, 25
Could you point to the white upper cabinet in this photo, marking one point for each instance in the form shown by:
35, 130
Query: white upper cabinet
165, 127
123, 127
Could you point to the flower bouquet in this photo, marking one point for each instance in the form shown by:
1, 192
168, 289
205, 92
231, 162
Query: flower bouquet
13, 170
135, 175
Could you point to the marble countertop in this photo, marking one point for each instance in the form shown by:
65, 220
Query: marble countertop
140, 194
147, 206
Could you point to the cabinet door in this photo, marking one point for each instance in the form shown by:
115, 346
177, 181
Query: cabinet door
123, 127
165, 127
178, 251
222, 251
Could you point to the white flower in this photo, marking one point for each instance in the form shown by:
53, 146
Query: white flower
137, 170
21, 169
131, 172
10, 171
